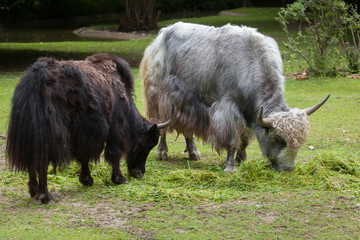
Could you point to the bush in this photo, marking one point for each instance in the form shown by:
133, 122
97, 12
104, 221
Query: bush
198, 5
22, 10
327, 33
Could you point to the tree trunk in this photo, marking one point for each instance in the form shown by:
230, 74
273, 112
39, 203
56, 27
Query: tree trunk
140, 15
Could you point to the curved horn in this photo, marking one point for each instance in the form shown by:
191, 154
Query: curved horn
166, 124
312, 109
264, 122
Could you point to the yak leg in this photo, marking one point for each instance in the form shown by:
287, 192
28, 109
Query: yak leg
33, 183
194, 154
230, 165
117, 177
113, 155
162, 148
85, 175
43, 195
241, 152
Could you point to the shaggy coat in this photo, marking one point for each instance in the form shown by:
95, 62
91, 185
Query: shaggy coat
64, 110
215, 81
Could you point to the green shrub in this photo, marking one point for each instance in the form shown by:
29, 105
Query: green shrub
21, 10
323, 33
198, 5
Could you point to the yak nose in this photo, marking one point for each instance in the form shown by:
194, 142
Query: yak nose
136, 173
287, 169
281, 168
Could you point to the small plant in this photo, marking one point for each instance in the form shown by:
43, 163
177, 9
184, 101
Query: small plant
348, 25
327, 32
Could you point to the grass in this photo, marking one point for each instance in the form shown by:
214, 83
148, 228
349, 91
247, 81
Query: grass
182, 199
23, 54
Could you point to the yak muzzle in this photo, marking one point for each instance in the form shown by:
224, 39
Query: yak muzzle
137, 173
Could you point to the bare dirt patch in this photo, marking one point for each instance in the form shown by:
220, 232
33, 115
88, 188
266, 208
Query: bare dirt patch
93, 33
225, 13
106, 214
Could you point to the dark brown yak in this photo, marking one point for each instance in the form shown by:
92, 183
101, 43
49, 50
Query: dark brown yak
74, 109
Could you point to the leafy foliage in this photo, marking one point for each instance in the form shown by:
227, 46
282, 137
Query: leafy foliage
198, 5
323, 26
20, 10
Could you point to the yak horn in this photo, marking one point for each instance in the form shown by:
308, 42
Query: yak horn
264, 122
166, 124
312, 109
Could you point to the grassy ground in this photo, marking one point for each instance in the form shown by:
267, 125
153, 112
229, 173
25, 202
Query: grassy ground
182, 199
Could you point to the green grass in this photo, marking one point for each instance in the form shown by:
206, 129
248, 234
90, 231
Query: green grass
261, 18
182, 199
18, 56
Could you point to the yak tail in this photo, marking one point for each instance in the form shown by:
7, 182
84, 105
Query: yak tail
191, 113
36, 132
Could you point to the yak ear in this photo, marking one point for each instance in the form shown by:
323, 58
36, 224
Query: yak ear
152, 129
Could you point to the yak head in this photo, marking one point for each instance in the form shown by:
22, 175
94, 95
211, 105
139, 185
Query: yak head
285, 132
145, 141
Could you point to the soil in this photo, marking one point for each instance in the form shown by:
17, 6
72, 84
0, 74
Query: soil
224, 13
93, 33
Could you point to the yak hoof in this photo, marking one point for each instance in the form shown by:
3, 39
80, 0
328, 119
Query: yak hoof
86, 180
162, 155
195, 155
118, 179
230, 169
34, 191
44, 198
